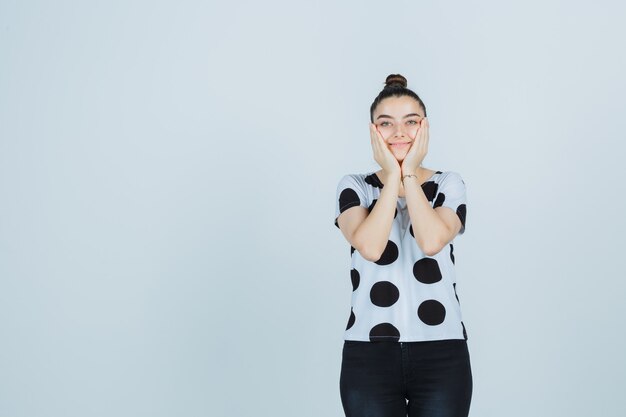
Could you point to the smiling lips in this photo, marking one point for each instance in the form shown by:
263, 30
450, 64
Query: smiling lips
399, 144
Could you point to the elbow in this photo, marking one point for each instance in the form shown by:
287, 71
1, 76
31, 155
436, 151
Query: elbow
430, 252
431, 247
369, 253
434, 244
367, 250
371, 256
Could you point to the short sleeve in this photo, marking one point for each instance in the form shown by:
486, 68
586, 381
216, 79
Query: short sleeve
350, 193
451, 193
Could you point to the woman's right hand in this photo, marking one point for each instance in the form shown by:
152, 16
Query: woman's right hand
382, 154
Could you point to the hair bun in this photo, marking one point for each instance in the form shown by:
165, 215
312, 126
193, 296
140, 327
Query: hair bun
395, 80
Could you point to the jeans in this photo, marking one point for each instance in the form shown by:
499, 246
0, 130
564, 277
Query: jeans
377, 379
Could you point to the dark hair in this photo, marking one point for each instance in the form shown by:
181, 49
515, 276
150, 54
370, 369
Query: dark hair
395, 86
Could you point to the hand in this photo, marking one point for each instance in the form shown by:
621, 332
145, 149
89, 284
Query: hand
418, 150
382, 154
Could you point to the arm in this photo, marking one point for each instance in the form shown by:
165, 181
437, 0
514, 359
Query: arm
433, 228
369, 233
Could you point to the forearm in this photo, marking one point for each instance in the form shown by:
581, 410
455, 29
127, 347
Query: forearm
428, 227
373, 234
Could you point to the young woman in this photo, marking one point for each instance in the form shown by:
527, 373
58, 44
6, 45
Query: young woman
405, 344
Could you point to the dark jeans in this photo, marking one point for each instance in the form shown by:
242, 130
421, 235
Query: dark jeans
377, 379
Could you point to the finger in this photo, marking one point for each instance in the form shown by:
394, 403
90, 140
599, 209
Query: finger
380, 135
373, 140
420, 141
378, 139
422, 124
372, 136
420, 133
381, 140
425, 138
384, 149
420, 138
373, 133
417, 134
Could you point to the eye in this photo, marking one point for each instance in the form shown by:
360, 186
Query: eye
383, 123
412, 121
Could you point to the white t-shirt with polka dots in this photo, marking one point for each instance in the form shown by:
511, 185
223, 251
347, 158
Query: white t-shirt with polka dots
405, 295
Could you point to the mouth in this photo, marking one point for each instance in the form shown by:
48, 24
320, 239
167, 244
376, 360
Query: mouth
399, 144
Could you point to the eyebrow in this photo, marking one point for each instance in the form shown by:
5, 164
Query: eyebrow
389, 117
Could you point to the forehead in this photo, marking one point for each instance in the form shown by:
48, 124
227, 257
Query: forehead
398, 107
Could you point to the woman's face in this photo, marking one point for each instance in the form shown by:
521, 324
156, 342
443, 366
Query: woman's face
397, 120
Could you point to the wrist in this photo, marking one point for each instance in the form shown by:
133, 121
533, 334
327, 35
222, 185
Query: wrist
408, 177
392, 175
408, 170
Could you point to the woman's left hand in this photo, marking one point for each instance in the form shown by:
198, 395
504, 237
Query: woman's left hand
418, 150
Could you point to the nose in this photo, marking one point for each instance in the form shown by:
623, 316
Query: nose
399, 132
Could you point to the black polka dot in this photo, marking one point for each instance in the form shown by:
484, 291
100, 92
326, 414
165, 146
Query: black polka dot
351, 250
348, 198
430, 189
452, 253
457, 297
355, 277
461, 211
384, 332
431, 312
384, 294
371, 206
390, 254
374, 181
464, 332
351, 319
441, 197
427, 271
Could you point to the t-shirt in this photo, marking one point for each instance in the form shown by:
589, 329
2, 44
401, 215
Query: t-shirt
405, 295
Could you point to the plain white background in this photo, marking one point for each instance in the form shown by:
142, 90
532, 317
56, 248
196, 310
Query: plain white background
167, 186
